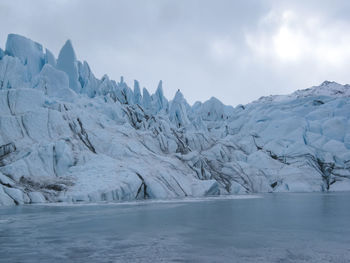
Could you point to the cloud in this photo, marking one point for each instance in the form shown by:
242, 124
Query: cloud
222, 49
233, 50
296, 37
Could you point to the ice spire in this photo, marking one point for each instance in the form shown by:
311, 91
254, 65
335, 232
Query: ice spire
67, 62
178, 112
146, 99
160, 101
137, 93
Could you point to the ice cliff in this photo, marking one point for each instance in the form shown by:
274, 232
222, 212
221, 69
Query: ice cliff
67, 136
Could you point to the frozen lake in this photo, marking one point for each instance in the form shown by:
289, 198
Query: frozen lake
268, 228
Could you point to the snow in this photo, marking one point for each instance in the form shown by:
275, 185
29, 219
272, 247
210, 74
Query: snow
67, 136
326, 89
341, 186
53, 83
213, 109
4, 180
36, 197
335, 128
17, 195
5, 199
13, 73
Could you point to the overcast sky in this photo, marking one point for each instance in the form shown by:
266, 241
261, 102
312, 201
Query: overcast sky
236, 50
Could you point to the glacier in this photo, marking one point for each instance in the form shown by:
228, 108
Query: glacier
67, 136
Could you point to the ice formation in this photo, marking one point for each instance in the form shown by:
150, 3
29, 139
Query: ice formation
68, 136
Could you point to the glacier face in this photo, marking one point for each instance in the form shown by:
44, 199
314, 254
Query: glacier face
67, 136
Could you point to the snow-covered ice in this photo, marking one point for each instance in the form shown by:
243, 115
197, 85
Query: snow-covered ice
67, 136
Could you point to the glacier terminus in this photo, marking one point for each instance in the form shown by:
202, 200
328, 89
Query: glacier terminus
67, 136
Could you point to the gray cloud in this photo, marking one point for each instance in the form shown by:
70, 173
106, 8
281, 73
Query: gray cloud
236, 51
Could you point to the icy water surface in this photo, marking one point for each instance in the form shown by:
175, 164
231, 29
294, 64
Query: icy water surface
272, 228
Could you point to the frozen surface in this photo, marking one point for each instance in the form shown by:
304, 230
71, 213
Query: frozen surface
67, 62
70, 137
29, 52
273, 228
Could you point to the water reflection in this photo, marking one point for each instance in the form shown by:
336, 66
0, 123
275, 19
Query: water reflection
275, 228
